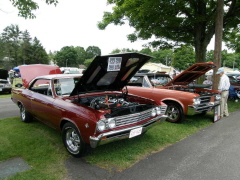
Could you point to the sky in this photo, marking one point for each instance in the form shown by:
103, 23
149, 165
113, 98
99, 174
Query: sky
72, 23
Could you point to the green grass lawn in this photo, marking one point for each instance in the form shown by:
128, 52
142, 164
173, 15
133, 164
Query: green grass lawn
42, 148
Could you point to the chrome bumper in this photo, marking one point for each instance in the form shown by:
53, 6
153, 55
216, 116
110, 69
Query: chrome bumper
123, 133
203, 108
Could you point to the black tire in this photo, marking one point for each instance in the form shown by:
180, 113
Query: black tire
175, 113
72, 140
25, 116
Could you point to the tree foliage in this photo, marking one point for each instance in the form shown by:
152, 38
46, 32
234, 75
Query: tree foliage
18, 47
172, 22
66, 57
26, 7
232, 39
92, 51
184, 57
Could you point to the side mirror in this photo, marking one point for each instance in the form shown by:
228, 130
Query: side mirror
18, 85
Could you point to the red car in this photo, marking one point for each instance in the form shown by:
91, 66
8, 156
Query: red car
91, 109
181, 94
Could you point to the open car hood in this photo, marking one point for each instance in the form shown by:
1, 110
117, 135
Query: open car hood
3, 74
110, 72
29, 72
191, 74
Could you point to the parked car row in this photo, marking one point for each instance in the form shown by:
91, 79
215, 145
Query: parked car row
110, 101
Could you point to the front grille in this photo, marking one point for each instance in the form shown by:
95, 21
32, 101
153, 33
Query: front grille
135, 118
205, 99
205, 104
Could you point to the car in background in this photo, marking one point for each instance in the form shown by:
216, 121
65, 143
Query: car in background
5, 86
89, 109
234, 78
181, 94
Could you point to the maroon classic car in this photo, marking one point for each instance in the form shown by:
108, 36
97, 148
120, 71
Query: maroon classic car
91, 109
181, 94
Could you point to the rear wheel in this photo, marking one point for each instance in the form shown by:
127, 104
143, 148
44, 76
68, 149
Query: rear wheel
72, 140
175, 113
25, 116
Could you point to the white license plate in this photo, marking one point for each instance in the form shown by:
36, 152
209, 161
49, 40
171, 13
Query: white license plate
135, 132
0, 89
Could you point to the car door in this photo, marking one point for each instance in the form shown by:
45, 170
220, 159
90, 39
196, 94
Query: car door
42, 100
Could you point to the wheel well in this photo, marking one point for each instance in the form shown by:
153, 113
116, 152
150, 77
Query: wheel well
64, 121
171, 101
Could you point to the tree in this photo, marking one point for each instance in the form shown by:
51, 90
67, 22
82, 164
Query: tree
147, 51
26, 7
11, 37
67, 57
81, 54
26, 47
172, 23
164, 56
232, 39
92, 51
39, 54
184, 57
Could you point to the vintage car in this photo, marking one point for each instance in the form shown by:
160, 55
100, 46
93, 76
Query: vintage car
5, 85
234, 78
90, 109
182, 96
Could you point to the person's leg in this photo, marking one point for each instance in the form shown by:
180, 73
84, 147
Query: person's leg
225, 98
222, 105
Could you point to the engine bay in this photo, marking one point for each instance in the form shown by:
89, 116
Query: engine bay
200, 91
113, 105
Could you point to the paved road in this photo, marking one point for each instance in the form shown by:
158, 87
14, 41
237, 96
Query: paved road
8, 108
211, 154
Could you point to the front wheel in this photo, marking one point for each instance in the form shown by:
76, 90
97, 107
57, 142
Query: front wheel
72, 140
25, 116
174, 113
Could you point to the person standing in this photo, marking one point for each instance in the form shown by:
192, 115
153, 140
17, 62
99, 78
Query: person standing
223, 88
11, 76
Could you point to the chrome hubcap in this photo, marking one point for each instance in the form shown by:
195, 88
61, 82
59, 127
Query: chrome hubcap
72, 140
173, 113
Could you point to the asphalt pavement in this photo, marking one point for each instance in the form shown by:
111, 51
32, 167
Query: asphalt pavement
8, 108
213, 153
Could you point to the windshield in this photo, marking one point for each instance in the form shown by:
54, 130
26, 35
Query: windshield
159, 80
65, 86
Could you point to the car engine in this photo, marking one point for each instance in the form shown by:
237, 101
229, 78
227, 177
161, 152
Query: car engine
113, 105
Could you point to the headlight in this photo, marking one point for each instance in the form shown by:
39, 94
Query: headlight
196, 101
218, 97
158, 110
101, 126
111, 123
154, 112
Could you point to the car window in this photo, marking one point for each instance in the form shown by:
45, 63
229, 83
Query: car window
41, 86
159, 80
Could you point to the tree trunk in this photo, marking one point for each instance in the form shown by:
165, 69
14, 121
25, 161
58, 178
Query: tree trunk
218, 41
